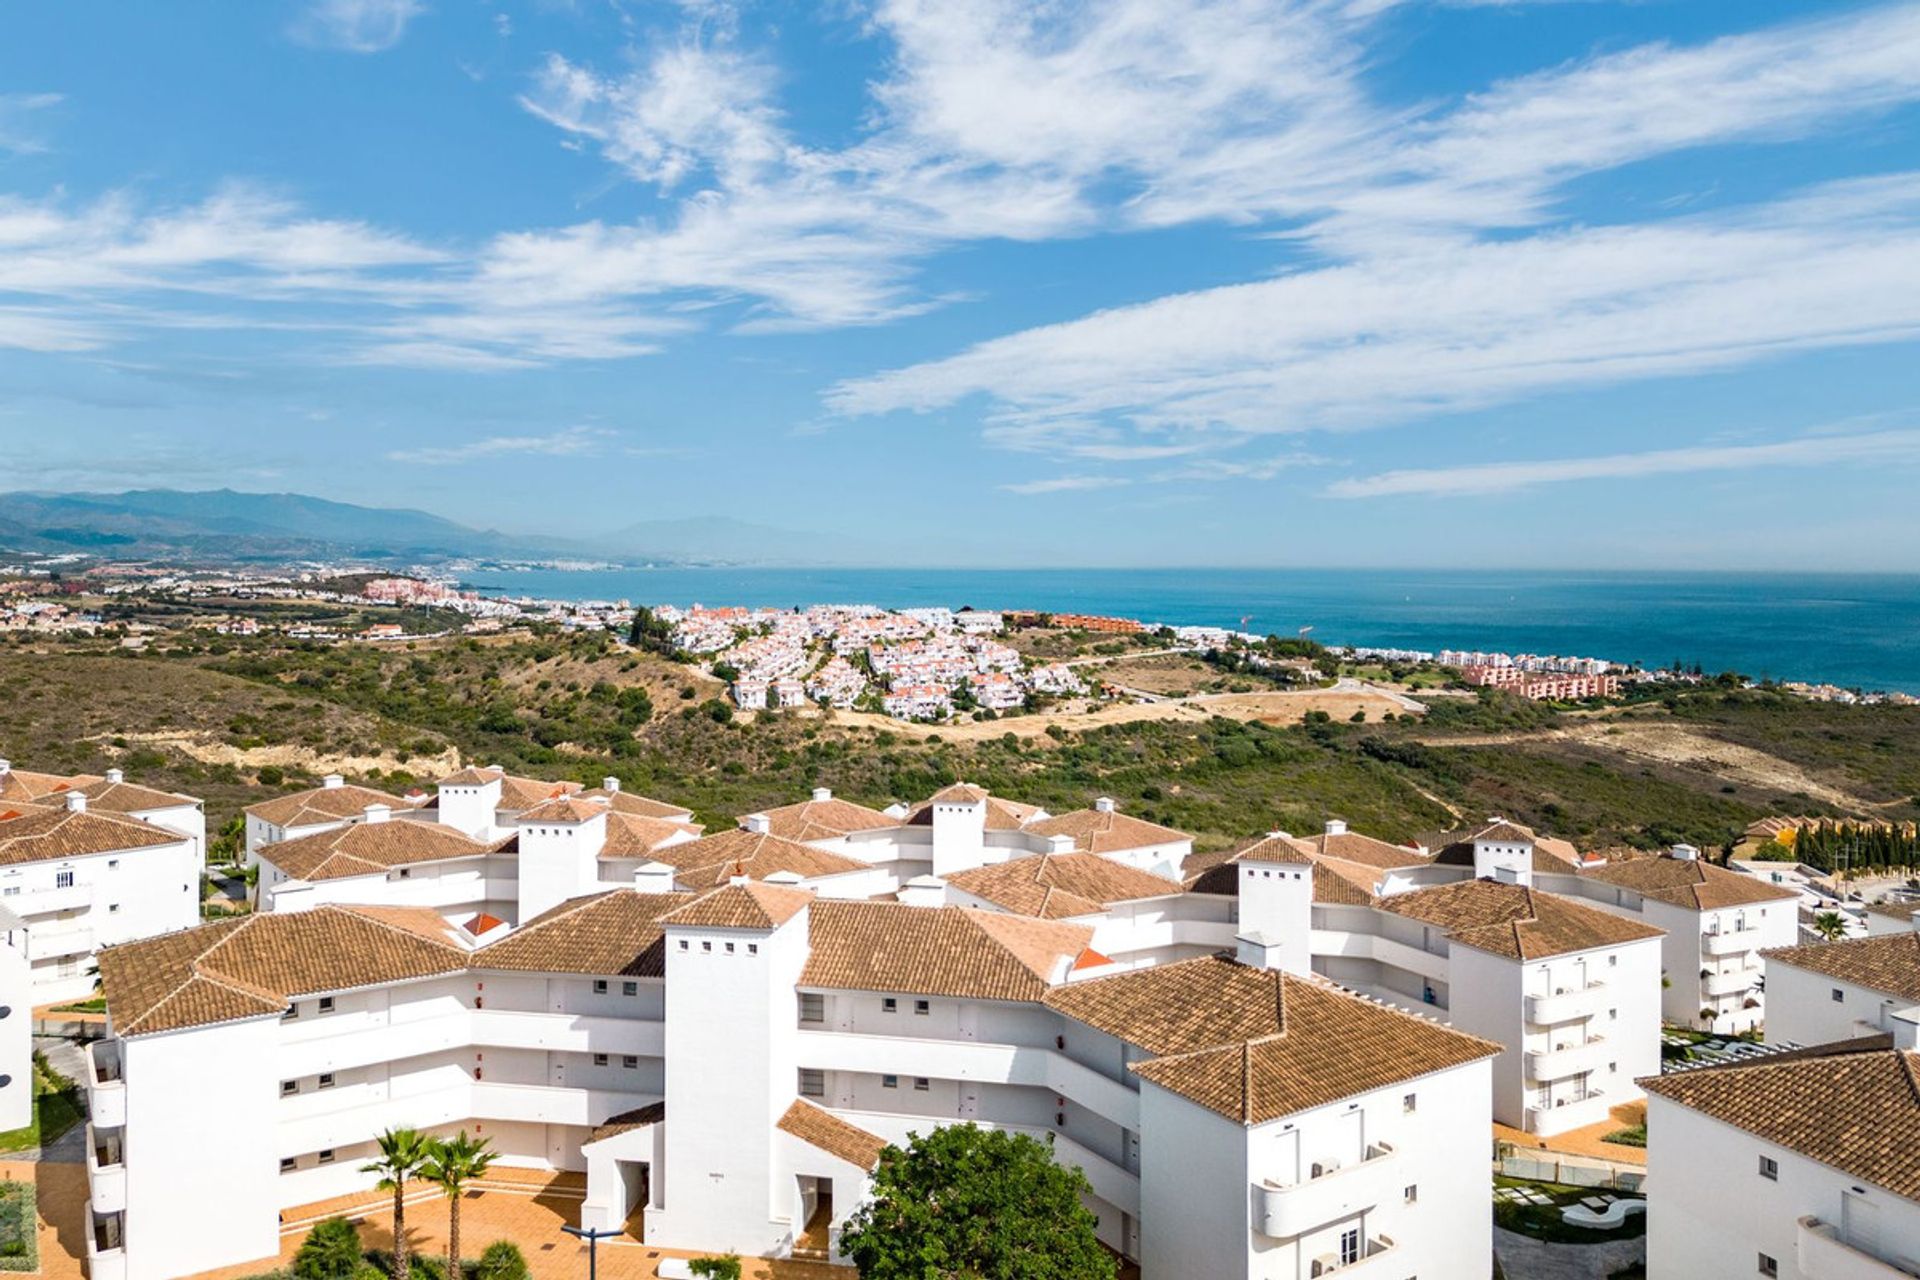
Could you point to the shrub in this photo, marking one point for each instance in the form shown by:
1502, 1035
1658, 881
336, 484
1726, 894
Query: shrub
331, 1251
271, 775
727, 1268
502, 1260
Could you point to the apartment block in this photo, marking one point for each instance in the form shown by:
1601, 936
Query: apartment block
1856, 987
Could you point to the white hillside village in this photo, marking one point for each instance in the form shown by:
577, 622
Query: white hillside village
1284, 1059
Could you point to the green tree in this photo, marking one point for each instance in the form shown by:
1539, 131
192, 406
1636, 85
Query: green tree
331, 1251
965, 1203
403, 1153
502, 1260
452, 1165
1830, 925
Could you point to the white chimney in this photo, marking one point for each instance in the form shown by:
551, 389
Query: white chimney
116, 776
1104, 805
1905, 1025
76, 802
739, 876
610, 785
924, 891
1257, 950
822, 793
1336, 827
1060, 844
758, 823
787, 879
1684, 853
6, 767
896, 810
653, 877
333, 781
378, 813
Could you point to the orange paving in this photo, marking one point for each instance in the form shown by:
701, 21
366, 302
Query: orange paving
61, 1192
1586, 1141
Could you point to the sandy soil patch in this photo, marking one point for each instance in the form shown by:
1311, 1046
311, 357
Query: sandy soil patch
210, 750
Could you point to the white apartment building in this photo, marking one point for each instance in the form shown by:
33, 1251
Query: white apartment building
1799, 1165
16, 1025
1891, 917
1717, 923
1825, 991
82, 881
110, 793
725, 1067
304, 813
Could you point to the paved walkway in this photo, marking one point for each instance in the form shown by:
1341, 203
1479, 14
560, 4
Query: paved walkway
61, 1192
1586, 1141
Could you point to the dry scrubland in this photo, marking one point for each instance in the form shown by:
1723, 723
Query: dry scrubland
229, 719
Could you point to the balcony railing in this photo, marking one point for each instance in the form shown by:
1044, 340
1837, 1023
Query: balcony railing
1727, 984
106, 1246
1823, 1253
1729, 942
1327, 1196
1551, 1116
1328, 1264
53, 944
1566, 1005
1568, 1059
106, 1090
106, 1171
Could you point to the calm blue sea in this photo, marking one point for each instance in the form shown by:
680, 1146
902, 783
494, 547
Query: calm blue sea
1854, 630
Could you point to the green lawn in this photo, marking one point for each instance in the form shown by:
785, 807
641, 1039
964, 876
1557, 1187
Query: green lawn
19, 1247
1543, 1222
57, 1107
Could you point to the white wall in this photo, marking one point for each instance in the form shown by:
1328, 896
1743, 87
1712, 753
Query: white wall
16, 1025
112, 897
1802, 1010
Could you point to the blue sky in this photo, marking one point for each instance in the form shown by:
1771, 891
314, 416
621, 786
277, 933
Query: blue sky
1139, 282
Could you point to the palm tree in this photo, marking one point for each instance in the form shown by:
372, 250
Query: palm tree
451, 1164
1830, 925
403, 1152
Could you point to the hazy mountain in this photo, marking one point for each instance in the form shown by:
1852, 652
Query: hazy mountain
224, 526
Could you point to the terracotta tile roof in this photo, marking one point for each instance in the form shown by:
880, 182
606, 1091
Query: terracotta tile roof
637, 805
1333, 884
1330, 1045
1002, 815
631, 836
710, 860
628, 1121
743, 906
1216, 871
322, 804
472, 776
36, 834
1106, 832
1889, 963
127, 797
516, 794
1515, 921
1689, 883
938, 951
1056, 886
1852, 1107
368, 848
1179, 1007
820, 1128
1550, 853
563, 809
1365, 851
824, 819
253, 966
612, 934
24, 784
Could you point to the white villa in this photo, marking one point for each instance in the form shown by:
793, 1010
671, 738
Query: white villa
1858, 987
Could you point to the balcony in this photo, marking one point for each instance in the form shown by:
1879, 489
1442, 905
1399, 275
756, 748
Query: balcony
1739, 982
106, 1089
1730, 942
106, 1245
1568, 1111
69, 897
1291, 1211
1566, 1005
51, 944
1822, 1254
1568, 1059
106, 1170
1367, 1264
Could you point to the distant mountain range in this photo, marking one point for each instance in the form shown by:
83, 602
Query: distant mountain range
222, 526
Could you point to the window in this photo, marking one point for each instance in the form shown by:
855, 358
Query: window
289, 1087
599, 1059
1349, 1246
326, 1079
729, 948
630, 1061
889, 1005
1839, 996
706, 946
629, 988
1412, 1194
286, 1164
813, 1007
923, 1007
326, 1004
889, 1082
293, 1011
599, 986
113, 864
1769, 1265
63, 879
813, 1082
1769, 1168
326, 1157
113, 908
1410, 1103
683, 944
753, 948
922, 1084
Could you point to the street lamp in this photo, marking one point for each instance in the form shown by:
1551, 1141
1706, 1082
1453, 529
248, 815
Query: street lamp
593, 1236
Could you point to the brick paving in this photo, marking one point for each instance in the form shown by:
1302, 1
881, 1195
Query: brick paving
60, 1190
1586, 1141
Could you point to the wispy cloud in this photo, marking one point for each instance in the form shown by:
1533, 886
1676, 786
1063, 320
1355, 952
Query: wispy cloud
19, 130
356, 26
1505, 477
1063, 484
571, 443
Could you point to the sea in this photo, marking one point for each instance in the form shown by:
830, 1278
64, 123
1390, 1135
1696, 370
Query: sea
1853, 630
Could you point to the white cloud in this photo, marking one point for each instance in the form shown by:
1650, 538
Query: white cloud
1504, 477
356, 26
571, 443
1063, 484
18, 131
